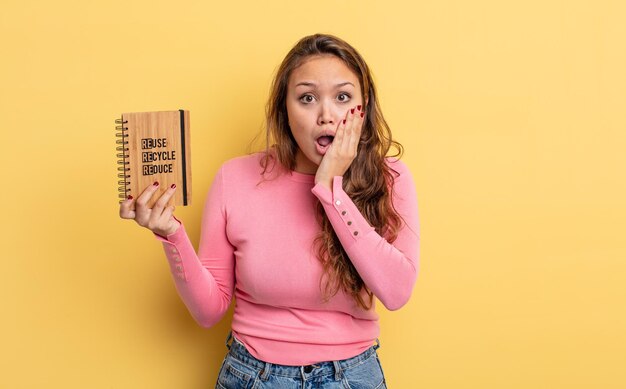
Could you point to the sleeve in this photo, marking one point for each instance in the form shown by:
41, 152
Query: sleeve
388, 270
204, 281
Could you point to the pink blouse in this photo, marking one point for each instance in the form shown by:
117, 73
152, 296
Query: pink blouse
256, 243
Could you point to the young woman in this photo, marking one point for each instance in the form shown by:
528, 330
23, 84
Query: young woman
304, 233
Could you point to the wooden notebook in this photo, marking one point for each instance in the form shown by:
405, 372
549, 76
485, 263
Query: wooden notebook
154, 146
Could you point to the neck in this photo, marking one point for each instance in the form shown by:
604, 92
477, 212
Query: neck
303, 165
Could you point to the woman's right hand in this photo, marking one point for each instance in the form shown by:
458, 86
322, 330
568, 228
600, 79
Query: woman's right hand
158, 219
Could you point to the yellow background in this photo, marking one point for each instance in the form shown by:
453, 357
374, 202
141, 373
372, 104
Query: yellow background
513, 119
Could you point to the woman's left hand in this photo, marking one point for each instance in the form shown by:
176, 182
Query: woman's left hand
343, 150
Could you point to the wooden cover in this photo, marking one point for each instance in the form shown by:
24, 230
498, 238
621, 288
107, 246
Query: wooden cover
157, 148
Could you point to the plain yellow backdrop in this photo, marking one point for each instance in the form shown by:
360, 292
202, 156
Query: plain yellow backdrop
512, 115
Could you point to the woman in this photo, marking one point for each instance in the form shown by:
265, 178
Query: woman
304, 234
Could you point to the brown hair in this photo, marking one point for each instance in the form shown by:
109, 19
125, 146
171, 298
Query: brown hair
368, 181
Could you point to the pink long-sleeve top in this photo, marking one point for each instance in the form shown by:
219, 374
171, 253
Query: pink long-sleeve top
256, 243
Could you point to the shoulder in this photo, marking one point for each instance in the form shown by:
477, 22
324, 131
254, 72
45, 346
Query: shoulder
247, 170
243, 167
404, 191
398, 166
242, 161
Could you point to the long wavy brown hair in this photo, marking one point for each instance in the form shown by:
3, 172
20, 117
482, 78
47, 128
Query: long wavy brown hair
369, 179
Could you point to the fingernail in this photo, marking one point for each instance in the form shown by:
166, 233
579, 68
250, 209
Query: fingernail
352, 110
173, 186
130, 197
358, 107
344, 121
362, 113
156, 183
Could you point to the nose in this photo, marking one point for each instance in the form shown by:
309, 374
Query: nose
326, 114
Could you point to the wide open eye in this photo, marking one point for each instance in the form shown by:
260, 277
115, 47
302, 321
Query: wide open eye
307, 98
344, 97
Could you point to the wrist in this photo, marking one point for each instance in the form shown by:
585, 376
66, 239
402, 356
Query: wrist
175, 228
325, 182
165, 233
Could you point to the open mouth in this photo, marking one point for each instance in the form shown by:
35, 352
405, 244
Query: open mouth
323, 143
325, 140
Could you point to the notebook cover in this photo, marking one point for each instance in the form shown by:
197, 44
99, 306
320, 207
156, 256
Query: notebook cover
158, 149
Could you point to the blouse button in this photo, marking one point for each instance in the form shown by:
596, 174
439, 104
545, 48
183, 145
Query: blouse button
338, 202
349, 223
343, 212
356, 233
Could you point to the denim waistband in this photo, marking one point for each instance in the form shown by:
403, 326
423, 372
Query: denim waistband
238, 350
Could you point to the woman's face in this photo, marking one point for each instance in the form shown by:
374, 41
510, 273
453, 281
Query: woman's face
319, 94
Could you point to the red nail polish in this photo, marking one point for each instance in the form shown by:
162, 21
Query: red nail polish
173, 186
358, 107
130, 197
362, 114
156, 183
352, 110
344, 121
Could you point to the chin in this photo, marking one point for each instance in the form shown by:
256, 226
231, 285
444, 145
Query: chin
316, 160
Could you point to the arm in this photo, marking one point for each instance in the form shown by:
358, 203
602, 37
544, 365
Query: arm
204, 281
388, 270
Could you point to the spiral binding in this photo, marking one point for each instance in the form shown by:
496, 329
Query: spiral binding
125, 184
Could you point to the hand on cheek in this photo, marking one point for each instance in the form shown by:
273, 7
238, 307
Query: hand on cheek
344, 148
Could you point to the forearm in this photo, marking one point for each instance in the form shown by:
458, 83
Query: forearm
203, 296
388, 270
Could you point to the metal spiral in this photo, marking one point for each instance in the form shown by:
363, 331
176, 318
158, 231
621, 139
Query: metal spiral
124, 187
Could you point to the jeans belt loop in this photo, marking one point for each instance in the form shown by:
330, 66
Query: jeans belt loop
267, 369
338, 371
230, 336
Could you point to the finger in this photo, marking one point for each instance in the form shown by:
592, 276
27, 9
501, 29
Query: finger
339, 134
345, 125
358, 127
345, 147
127, 208
144, 198
161, 203
350, 120
166, 216
361, 116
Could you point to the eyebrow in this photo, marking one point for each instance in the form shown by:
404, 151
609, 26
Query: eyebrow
309, 83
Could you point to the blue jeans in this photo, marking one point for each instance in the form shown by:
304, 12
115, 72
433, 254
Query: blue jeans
241, 370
